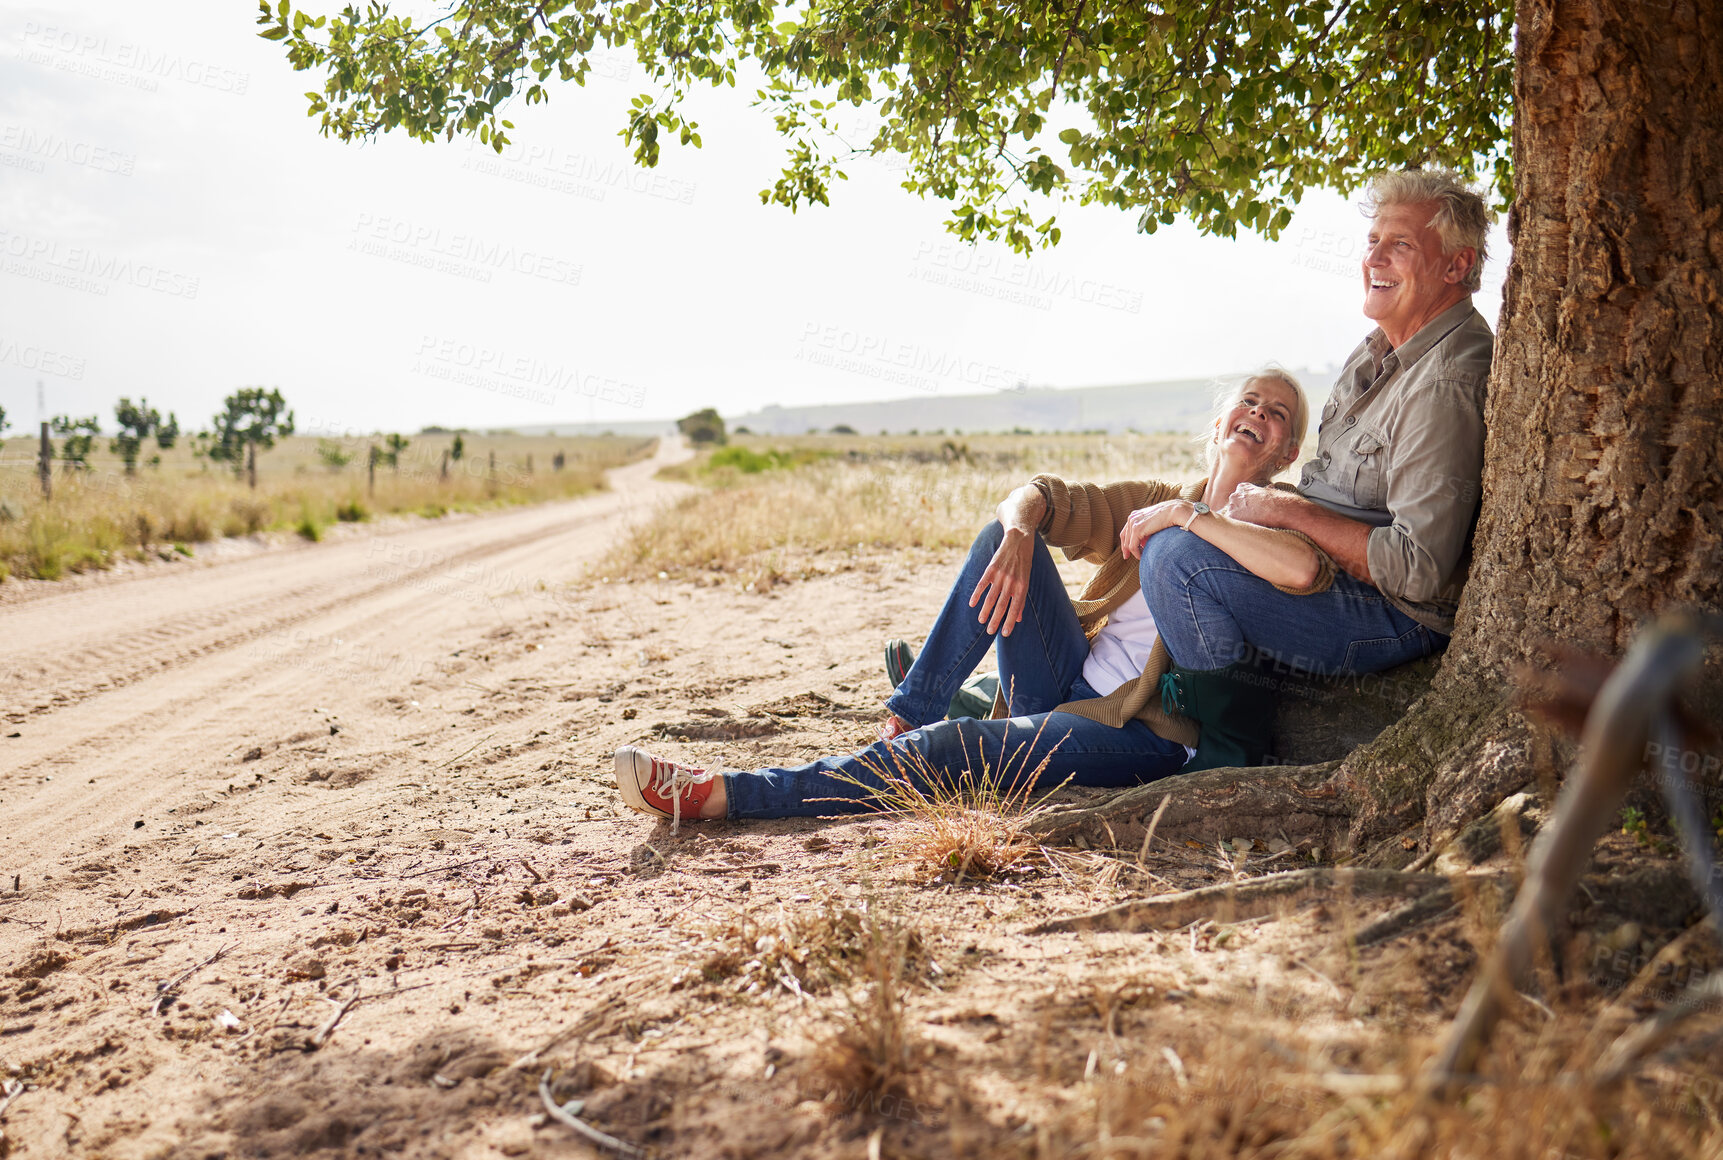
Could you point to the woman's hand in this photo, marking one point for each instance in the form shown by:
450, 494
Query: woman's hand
1006, 582
1145, 522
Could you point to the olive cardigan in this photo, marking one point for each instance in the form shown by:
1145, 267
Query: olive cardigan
1084, 520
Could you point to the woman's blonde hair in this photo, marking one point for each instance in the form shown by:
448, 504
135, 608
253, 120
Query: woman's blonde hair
1232, 388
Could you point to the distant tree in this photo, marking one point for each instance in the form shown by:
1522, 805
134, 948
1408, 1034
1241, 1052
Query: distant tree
80, 436
333, 457
137, 422
167, 434
250, 418
557, 461
2, 423
843, 429
703, 426
396, 445
457, 449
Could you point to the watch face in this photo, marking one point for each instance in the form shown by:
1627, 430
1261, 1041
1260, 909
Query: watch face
1202, 509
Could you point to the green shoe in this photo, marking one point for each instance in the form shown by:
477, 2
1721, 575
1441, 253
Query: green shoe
1233, 706
974, 699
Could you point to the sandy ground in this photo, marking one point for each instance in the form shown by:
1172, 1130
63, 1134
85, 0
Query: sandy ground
316, 851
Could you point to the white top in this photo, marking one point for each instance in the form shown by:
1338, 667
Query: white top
1122, 647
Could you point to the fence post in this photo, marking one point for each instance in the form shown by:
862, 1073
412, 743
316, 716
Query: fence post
445, 465
45, 462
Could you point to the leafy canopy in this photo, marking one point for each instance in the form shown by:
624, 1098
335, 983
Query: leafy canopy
1223, 111
137, 422
249, 417
80, 437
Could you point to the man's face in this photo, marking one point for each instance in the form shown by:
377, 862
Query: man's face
1407, 278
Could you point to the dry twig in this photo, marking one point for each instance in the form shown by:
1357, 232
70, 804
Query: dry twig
164, 991
561, 1116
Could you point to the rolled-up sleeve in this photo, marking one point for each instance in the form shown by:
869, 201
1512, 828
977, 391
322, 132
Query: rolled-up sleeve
1432, 475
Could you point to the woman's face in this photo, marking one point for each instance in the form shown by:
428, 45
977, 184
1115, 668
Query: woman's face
1256, 429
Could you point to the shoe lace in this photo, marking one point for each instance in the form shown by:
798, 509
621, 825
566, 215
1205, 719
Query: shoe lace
673, 779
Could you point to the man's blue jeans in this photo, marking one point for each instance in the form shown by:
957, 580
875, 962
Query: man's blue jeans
1040, 666
1212, 611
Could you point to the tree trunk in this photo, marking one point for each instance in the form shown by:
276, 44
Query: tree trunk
251, 464
1602, 477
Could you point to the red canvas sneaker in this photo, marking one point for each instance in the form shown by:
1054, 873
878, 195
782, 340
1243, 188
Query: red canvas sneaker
664, 789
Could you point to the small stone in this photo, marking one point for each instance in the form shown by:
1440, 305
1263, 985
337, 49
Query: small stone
1242, 845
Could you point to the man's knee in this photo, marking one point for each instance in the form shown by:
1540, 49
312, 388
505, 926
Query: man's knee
1173, 556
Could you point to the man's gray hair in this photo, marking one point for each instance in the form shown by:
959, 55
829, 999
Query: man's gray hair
1462, 218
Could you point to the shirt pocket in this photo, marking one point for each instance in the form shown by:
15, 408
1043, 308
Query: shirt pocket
1369, 454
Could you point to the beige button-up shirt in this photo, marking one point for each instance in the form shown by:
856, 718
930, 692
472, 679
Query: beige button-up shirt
1401, 447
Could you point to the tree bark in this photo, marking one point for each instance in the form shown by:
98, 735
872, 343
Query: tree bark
1602, 475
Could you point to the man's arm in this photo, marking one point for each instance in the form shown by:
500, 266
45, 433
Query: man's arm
1346, 540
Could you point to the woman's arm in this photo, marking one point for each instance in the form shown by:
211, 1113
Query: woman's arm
1285, 560
1003, 589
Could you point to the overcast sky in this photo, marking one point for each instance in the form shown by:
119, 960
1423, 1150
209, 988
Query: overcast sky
173, 226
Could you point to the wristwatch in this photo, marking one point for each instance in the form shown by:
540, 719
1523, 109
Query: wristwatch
1198, 508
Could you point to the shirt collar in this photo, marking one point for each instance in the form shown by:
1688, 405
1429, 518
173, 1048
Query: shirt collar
1419, 344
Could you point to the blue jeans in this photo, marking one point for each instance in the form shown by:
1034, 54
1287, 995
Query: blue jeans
1040, 666
1212, 611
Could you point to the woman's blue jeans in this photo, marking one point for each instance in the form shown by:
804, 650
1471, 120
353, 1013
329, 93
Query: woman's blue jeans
1040, 666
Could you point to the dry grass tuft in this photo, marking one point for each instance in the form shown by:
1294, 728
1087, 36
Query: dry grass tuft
971, 825
804, 953
873, 1054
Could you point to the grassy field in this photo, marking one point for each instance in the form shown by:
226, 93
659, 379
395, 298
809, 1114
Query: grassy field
102, 514
778, 507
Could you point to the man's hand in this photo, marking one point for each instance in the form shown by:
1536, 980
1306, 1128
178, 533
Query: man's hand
1266, 507
1006, 582
1347, 541
1145, 522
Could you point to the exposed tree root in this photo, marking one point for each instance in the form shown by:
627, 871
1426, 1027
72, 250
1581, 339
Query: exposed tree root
1295, 802
1233, 902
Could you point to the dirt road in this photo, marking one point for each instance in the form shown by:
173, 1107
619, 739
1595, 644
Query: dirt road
116, 695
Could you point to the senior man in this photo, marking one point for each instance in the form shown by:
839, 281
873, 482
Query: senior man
1391, 496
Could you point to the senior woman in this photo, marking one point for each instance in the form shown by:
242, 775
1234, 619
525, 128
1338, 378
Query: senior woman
1088, 693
